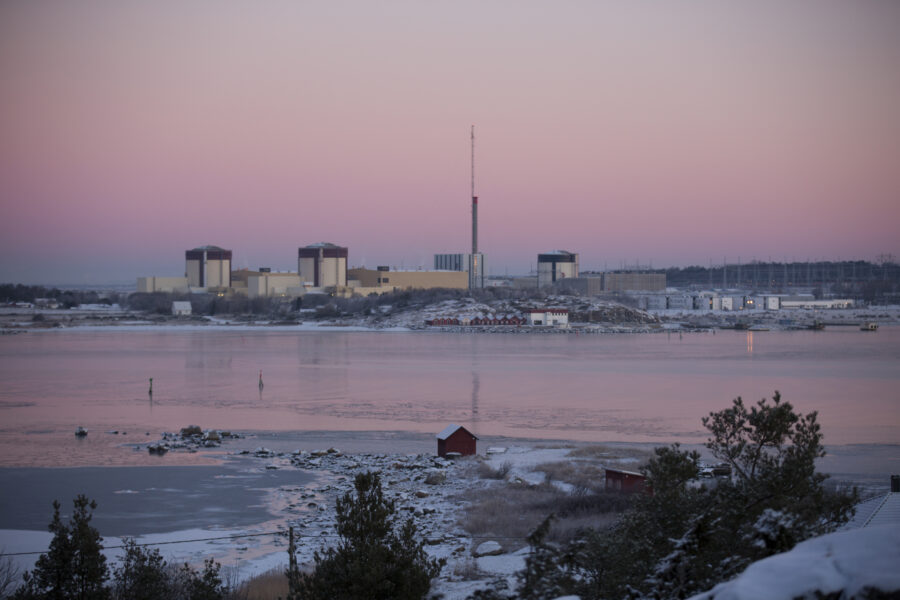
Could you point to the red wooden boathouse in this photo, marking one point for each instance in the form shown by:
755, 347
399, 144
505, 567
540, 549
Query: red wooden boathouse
456, 438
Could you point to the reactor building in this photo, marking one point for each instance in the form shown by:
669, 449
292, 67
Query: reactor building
323, 265
208, 267
555, 266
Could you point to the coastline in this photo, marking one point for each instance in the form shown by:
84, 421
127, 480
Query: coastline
293, 480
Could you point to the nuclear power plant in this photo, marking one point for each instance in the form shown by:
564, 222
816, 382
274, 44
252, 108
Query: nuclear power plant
324, 266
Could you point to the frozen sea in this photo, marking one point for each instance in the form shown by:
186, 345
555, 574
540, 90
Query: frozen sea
630, 388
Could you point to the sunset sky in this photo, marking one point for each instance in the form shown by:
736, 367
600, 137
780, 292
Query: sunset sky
673, 132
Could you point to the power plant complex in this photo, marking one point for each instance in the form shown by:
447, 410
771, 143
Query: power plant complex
324, 267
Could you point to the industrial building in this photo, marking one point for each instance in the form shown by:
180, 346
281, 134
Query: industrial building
208, 267
385, 277
642, 282
167, 285
474, 265
322, 265
269, 285
555, 266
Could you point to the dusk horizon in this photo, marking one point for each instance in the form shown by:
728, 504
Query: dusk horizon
673, 136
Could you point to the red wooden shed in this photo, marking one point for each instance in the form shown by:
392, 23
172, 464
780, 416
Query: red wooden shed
456, 438
625, 481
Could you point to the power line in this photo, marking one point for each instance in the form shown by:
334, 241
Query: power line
237, 537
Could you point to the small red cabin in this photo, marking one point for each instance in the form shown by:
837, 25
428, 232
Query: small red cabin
625, 481
456, 438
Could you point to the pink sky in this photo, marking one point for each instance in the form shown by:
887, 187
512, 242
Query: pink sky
671, 133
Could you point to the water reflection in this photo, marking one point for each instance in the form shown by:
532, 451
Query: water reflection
476, 384
750, 343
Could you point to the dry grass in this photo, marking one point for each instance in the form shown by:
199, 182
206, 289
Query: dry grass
267, 586
582, 475
510, 513
606, 453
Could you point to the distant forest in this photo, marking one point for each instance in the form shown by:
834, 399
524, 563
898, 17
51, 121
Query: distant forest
17, 292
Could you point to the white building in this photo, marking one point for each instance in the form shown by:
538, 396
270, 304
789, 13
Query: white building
181, 309
547, 317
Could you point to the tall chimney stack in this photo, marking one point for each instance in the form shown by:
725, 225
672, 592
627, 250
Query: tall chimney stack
474, 200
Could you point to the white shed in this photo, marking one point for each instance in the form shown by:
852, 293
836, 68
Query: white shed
181, 309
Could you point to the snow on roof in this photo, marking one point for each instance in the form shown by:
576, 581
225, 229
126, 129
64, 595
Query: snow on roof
845, 563
609, 470
881, 510
181, 305
323, 245
451, 429
210, 247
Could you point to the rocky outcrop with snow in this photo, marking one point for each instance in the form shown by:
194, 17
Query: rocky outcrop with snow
859, 563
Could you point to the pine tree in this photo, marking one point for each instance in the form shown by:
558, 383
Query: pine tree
141, 575
74, 567
377, 557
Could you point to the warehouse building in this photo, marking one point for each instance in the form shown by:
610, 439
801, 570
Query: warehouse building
385, 277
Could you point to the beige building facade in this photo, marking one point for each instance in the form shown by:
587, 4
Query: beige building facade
162, 284
369, 278
268, 285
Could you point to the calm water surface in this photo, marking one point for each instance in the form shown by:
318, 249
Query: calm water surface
643, 388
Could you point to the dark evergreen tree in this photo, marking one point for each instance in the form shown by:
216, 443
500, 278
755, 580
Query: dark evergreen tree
188, 584
142, 575
377, 557
74, 567
684, 537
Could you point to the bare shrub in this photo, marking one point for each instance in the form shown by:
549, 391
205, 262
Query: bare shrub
486, 471
466, 569
514, 511
9, 575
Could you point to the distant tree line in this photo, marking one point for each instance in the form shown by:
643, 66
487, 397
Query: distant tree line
10, 292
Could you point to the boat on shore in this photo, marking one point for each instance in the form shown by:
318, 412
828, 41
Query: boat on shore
869, 326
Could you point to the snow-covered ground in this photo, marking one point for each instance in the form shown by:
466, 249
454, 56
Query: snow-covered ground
838, 565
436, 492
